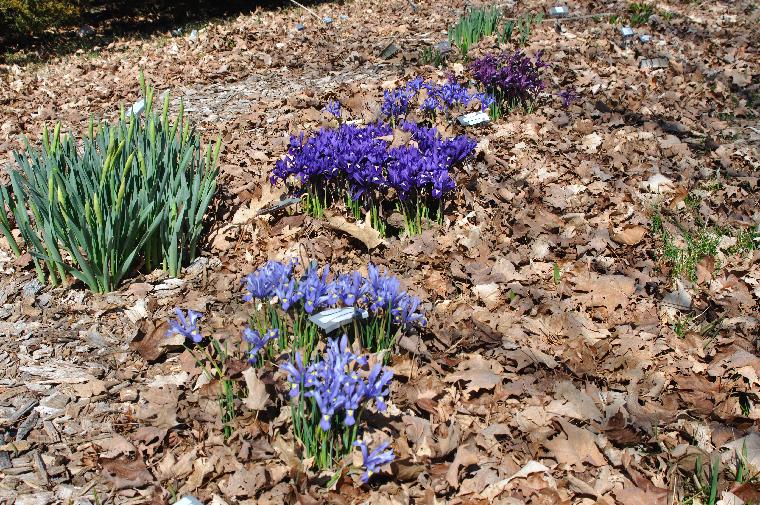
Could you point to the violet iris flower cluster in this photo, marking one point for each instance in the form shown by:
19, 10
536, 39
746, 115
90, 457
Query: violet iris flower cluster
436, 98
409, 169
359, 160
186, 325
372, 461
313, 291
266, 280
339, 390
513, 77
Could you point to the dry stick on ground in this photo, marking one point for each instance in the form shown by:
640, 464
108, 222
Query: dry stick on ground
307, 9
569, 18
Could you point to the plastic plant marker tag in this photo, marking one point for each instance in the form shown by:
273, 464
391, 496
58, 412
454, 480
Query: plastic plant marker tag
559, 11
474, 118
188, 500
443, 47
278, 205
389, 51
626, 32
332, 319
661, 62
137, 108
644, 38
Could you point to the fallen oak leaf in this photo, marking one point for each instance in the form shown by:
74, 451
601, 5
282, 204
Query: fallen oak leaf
363, 232
493, 490
269, 196
405, 470
489, 294
257, 398
629, 235
465, 457
113, 446
124, 473
152, 342
576, 448
591, 142
477, 373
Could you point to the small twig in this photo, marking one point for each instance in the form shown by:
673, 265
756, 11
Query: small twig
569, 18
584, 16
411, 4
306, 9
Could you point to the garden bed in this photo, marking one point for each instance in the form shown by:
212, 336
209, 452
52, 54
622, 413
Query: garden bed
590, 290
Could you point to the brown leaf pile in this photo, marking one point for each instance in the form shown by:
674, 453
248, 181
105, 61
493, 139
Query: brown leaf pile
562, 363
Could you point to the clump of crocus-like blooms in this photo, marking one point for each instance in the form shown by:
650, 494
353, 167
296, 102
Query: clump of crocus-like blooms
360, 166
328, 399
512, 78
431, 99
330, 390
286, 297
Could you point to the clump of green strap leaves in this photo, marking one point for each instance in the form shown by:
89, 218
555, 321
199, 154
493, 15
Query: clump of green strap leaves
479, 23
136, 190
473, 26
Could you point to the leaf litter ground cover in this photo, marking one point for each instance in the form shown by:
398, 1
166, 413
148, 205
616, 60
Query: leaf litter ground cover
591, 292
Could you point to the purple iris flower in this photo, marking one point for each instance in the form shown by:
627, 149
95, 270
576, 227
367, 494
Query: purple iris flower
372, 461
296, 374
258, 341
383, 290
360, 162
315, 289
415, 85
333, 108
186, 325
263, 283
405, 312
327, 404
568, 97
288, 294
336, 385
441, 98
377, 386
350, 288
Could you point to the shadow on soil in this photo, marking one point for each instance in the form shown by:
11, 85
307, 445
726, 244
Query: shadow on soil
103, 22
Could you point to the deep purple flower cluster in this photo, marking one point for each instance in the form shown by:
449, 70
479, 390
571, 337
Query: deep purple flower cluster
359, 160
372, 461
512, 77
435, 98
313, 291
258, 341
339, 391
187, 326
